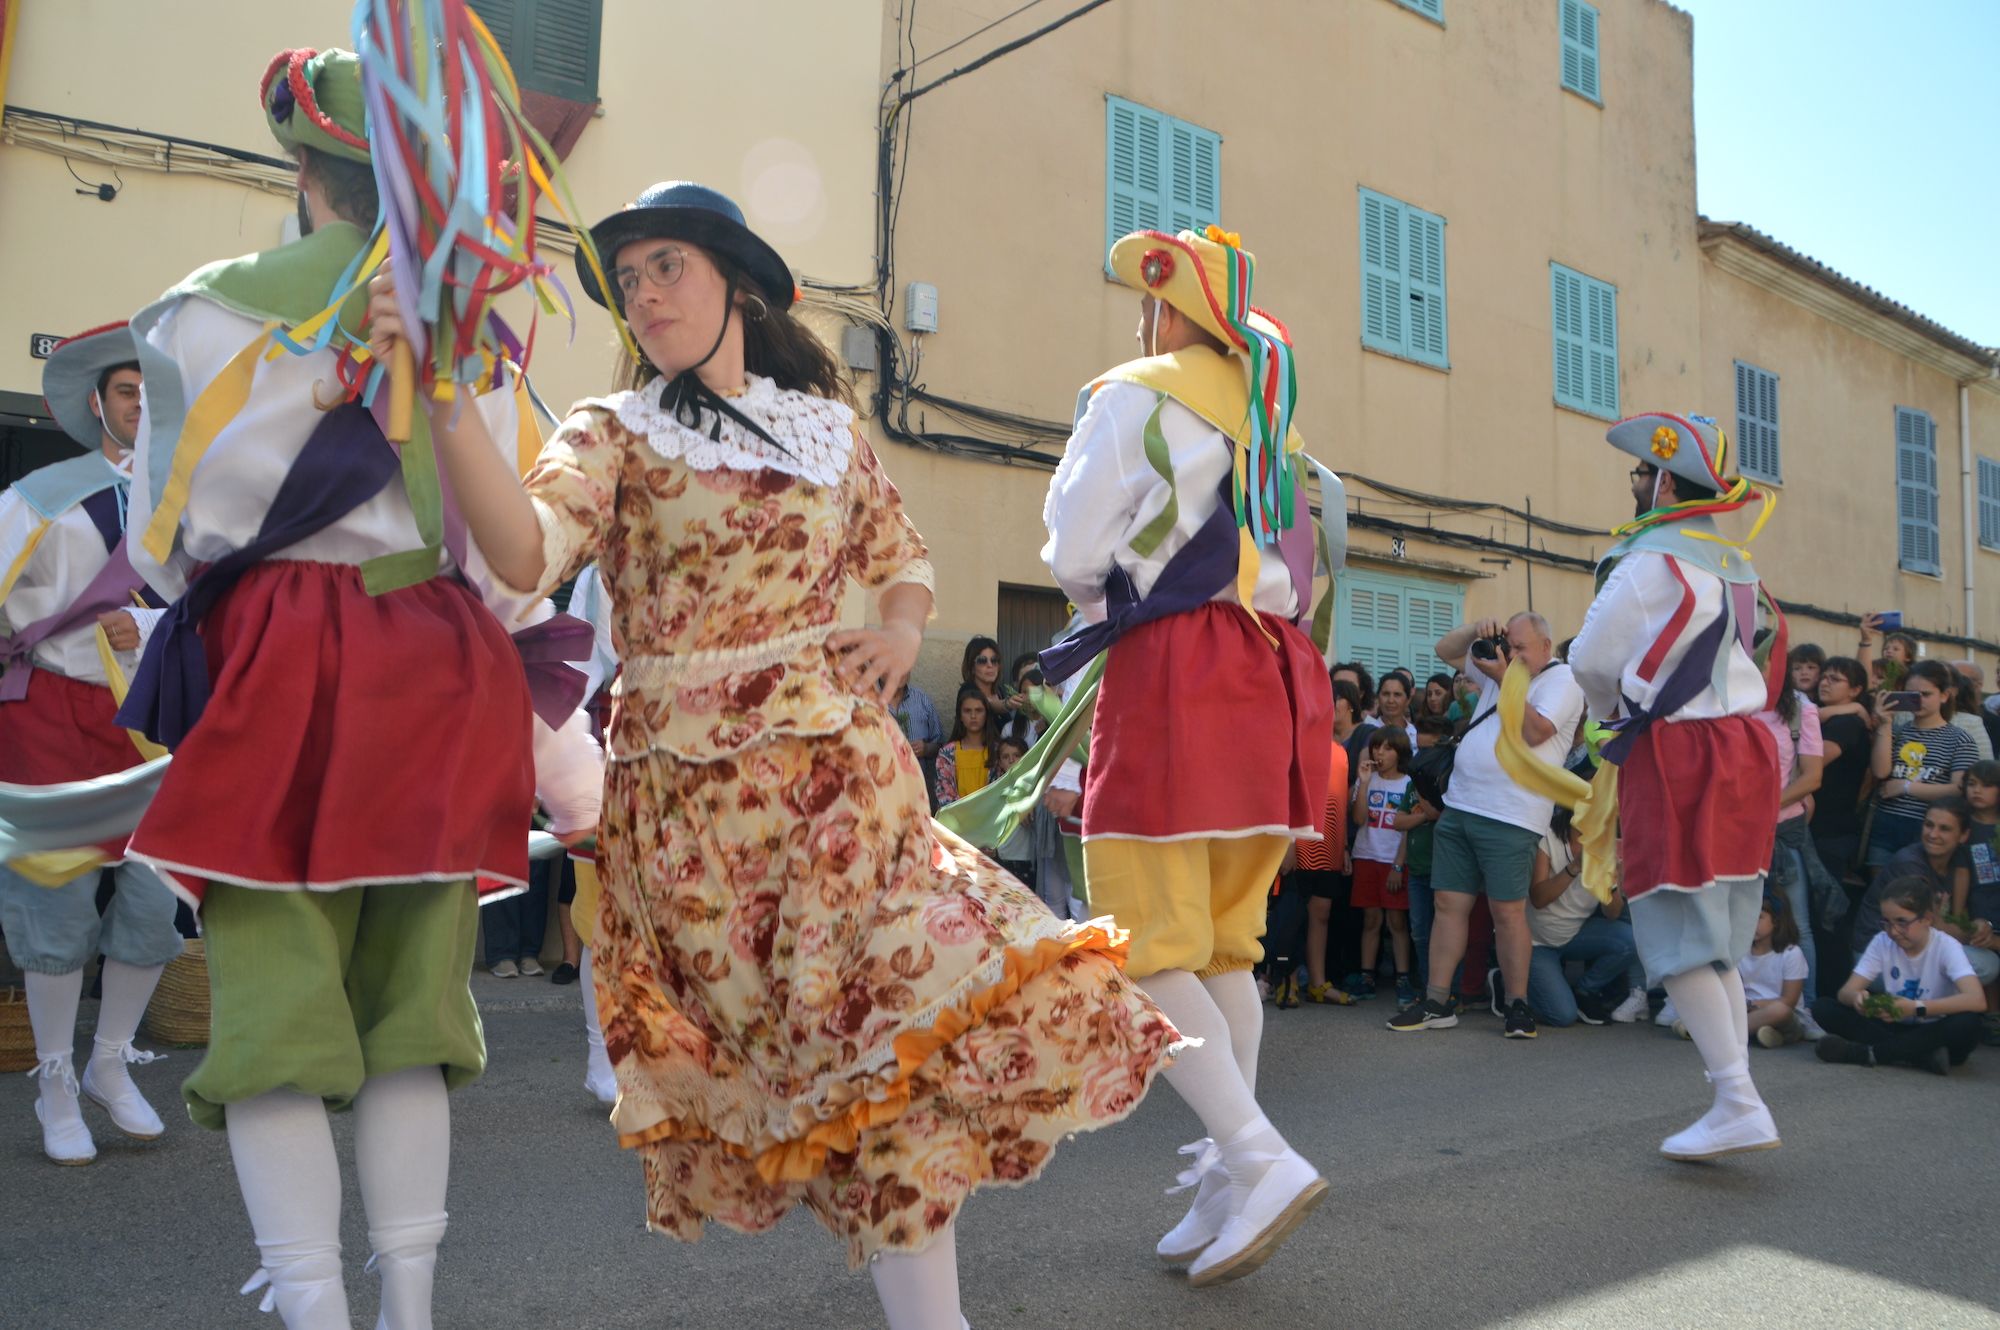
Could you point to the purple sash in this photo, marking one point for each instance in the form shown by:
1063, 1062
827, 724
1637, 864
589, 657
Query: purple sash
1196, 573
111, 589
344, 464
1692, 675
556, 689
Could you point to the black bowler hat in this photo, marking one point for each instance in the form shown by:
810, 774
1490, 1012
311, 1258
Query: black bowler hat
683, 210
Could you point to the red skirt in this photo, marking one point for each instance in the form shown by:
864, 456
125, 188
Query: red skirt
348, 740
1204, 729
65, 729
1698, 804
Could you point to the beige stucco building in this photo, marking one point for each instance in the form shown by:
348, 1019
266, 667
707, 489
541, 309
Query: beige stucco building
1478, 221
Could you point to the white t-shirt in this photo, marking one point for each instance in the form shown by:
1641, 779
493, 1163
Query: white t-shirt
1378, 839
1478, 785
1764, 977
1931, 974
1557, 923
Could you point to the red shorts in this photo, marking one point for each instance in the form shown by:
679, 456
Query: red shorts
1371, 887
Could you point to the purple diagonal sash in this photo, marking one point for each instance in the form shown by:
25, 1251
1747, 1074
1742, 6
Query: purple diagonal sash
1192, 577
555, 688
1689, 677
344, 464
111, 589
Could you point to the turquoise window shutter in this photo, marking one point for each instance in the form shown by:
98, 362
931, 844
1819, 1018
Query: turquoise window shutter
1431, 9
1402, 280
1757, 423
1427, 303
1383, 301
1579, 48
1917, 535
1989, 503
1161, 174
1584, 313
1567, 314
1603, 348
1388, 622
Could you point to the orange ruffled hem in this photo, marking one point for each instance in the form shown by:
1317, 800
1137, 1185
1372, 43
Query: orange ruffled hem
804, 1158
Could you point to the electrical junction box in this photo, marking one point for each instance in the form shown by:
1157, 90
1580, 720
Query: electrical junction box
857, 347
920, 308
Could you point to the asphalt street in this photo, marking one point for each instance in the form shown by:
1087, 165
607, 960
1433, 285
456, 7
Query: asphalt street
1476, 1182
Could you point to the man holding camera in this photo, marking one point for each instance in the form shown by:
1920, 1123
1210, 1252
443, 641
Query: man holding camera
1486, 839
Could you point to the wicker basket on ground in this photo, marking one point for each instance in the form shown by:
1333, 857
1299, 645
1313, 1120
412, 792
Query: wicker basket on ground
178, 1013
17, 1037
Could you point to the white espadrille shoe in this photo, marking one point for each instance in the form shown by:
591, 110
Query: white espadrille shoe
1210, 1211
65, 1138
109, 1085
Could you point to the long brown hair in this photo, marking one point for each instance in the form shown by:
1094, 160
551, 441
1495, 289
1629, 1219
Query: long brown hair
776, 345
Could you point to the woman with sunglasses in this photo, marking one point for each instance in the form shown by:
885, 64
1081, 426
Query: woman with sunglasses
980, 669
811, 994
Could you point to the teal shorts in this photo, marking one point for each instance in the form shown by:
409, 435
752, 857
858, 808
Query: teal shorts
320, 991
1471, 854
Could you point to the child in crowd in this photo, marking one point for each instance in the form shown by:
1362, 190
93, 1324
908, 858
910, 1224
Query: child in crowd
1774, 976
1380, 890
963, 763
1418, 823
1306, 892
1979, 903
1929, 1009
1017, 854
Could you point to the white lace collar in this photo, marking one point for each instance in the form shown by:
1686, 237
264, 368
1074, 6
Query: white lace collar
819, 432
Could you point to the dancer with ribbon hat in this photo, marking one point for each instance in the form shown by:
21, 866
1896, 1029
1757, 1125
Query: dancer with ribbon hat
1178, 523
812, 996
350, 722
1668, 654
67, 606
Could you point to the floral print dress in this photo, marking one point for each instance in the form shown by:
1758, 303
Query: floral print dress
812, 994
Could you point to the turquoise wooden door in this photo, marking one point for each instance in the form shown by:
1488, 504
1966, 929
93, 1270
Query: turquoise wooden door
1385, 621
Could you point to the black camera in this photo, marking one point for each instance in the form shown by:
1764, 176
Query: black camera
1489, 648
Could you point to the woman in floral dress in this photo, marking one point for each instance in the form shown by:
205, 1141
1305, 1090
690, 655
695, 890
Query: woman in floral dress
811, 993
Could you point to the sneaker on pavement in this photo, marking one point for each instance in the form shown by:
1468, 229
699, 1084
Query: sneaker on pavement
1424, 1015
1592, 1009
1520, 1021
504, 970
1273, 1210
1833, 1048
1809, 1025
1667, 1015
1633, 1009
1937, 1062
1768, 1036
530, 968
1494, 992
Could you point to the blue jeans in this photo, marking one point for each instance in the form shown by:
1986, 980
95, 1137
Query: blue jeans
1423, 908
513, 928
1606, 949
1793, 881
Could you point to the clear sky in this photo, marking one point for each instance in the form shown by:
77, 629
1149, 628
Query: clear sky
1865, 133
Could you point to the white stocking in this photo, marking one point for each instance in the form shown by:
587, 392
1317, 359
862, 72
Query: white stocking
598, 1077
52, 1003
127, 990
1206, 1075
1235, 996
402, 1152
919, 1290
1739, 1003
290, 1179
1716, 1019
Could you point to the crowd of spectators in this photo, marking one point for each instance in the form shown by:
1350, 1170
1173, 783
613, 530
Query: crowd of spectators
1885, 872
